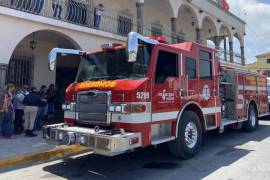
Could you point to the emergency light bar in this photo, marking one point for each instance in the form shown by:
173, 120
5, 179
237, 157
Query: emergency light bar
110, 45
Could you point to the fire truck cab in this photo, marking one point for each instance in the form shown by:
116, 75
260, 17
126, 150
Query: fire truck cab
148, 93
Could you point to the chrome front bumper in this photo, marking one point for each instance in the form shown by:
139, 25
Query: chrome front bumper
104, 142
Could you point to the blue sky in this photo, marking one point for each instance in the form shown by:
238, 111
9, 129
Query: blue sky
256, 13
264, 1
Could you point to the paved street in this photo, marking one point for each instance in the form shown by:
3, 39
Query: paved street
229, 156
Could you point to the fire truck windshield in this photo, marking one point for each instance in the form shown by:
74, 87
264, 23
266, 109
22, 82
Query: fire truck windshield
113, 64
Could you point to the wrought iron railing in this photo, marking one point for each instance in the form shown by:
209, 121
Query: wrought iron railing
225, 56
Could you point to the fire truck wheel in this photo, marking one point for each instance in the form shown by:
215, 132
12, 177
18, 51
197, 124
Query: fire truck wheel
252, 122
189, 138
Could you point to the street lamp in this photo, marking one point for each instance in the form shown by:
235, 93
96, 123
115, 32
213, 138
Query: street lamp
33, 43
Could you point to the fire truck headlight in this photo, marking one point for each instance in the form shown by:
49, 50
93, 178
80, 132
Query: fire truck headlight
112, 108
118, 108
72, 106
64, 107
69, 107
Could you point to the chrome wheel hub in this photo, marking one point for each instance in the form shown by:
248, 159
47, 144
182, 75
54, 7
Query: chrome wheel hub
191, 135
252, 118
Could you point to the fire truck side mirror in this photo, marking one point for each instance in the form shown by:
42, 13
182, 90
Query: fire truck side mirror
134, 39
55, 51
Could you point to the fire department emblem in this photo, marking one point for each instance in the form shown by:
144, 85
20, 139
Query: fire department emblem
206, 92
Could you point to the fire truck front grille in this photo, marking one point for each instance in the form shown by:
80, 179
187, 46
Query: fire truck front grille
92, 106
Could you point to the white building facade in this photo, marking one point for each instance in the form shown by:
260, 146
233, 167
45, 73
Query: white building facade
31, 28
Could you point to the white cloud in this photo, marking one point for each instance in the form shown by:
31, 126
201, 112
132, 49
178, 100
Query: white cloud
257, 17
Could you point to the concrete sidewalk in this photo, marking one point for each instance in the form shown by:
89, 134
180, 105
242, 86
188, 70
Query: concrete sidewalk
23, 145
22, 150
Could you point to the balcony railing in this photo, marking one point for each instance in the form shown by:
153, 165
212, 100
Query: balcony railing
225, 56
82, 14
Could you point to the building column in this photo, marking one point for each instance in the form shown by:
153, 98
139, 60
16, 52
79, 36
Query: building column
217, 42
140, 14
225, 48
243, 55
231, 50
3, 75
173, 29
198, 35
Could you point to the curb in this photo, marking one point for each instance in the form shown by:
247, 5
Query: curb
41, 156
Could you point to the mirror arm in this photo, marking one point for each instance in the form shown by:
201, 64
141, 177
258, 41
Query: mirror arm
55, 51
134, 39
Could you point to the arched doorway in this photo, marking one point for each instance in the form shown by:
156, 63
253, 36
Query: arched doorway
28, 64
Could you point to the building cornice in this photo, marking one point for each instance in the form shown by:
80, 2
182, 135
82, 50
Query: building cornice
228, 12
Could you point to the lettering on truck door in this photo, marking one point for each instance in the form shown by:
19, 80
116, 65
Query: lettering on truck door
165, 86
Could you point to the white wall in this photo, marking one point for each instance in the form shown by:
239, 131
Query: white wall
42, 75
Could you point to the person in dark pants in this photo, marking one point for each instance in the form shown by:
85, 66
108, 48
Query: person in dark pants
38, 6
41, 109
57, 8
31, 101
19, 110
51, 100
7, 108
97, 15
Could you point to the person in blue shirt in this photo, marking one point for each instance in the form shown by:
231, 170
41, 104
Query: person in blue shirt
38, 5
41, 109
19, 110
57, 8
97, 15
31, 101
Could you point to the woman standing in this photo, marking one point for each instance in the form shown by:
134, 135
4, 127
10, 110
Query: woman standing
7, 108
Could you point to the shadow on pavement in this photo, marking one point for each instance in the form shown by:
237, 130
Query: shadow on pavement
219, 150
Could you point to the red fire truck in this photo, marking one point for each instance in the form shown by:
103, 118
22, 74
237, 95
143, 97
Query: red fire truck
148, 93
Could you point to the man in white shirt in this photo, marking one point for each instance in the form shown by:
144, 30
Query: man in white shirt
97, 15
19, 110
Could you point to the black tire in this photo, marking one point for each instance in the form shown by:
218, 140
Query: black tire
179, 148
251, 124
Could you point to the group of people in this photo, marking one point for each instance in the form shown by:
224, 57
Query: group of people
29, 106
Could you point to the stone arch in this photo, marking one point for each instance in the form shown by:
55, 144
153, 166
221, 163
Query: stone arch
224, 30
240, 37
238, 47
30, 66
175, 5
224, 42
45, 39
187, 22
19, 37
209, 30
158, 25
